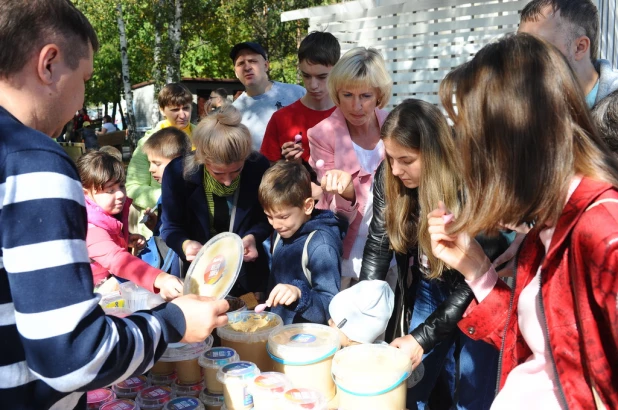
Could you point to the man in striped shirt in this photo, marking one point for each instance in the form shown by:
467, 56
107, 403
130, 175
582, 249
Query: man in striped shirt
55, 341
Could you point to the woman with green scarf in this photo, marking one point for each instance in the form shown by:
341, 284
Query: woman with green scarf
214, 190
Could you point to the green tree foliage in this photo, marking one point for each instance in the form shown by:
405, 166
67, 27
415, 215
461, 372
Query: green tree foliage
210, 28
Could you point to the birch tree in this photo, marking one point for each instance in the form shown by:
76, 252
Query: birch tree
159, 56
126, 78
175, 45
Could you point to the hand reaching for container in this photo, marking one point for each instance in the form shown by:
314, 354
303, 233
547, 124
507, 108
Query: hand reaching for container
283, 294
202, 315
170, 287
191, 249
251, 253
137, 241
411, 348
338, 182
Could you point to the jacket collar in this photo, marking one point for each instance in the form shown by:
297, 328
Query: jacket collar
100, 219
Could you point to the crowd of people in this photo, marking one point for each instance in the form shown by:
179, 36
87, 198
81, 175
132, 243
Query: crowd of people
484, 248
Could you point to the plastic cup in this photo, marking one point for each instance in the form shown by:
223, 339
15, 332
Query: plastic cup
371, 376
184, 403
247, 333
211, 361
154, 398
97, 398
235, 377
302, 399
129, 388
162, 379
120, 404
187, 390
268, 389
136, 297
304, 353
185, 356
212, 401
162, 368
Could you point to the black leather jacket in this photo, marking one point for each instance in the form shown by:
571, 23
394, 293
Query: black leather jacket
442, 323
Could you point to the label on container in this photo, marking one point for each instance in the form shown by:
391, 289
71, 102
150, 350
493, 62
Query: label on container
119, 405
132, 382
248, 398
301, 396
238, 369
155, 392
303, 338
214, 271
220, 355
99, 395
270, 382
184, 403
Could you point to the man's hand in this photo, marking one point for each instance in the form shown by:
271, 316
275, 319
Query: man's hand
202, 315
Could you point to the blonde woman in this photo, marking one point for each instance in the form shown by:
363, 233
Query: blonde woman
349, 140
214, 190
420, 168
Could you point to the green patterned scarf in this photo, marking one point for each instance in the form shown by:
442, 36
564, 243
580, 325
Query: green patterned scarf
212, 186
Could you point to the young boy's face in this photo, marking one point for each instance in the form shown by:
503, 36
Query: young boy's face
314, 79
110, 198
178, 116
286, 220
157, 166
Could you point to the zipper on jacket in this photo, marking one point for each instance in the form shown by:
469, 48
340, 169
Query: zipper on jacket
508, 319
547, 345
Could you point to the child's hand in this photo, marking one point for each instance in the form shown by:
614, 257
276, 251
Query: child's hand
151, 219
191, 248
410, 347
283, 294
137, 241
292, 151
170, 287
338, 182
251, 253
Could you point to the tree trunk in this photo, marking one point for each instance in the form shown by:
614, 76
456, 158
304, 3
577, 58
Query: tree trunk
126, 78
123, 119
157, 73
174, 32
106, 109
114, 112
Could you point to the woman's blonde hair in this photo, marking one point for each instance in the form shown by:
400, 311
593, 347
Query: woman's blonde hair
523, 131
219, 139
419, 125
358, 68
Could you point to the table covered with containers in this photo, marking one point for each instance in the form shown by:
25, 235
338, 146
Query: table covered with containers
254, 362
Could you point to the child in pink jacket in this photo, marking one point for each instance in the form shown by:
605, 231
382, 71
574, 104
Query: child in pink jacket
108, 238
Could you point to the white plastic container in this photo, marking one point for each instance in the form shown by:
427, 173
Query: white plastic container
302, 399
212, 401
304, 353
235, 378
129, 388
211, 361
268, 389
247, 333
97, 398
371, 376
184, 403
162, 379
185, 356
135, 297
154, 398
120, 404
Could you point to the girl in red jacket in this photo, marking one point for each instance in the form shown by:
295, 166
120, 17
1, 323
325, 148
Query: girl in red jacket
108, 238
530, 153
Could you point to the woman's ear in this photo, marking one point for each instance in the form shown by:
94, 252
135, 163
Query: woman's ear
308, 206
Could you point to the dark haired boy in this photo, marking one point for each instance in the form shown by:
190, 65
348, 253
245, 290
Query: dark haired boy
317, 55
306, 260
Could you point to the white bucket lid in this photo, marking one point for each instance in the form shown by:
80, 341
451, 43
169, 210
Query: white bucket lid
264, 323
216, 266
177, 352
370, 369
303, 344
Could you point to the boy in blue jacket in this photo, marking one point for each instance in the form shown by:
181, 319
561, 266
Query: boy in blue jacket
306, 261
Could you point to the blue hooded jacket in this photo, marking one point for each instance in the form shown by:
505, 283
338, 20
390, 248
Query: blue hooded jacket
324, 254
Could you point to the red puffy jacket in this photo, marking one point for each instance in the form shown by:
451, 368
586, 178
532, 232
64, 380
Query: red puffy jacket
579, 284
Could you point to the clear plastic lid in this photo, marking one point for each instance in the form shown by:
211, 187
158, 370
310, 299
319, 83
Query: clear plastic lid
211, 399
177, 352
96, 398
304, 399
154, 397
238, 371
215, 268
303, 344
184, 403
249, 327
121, 404
130, 387
162, 379
187, 389
218, 357
370, 369
112, 300
120, 312
270, 384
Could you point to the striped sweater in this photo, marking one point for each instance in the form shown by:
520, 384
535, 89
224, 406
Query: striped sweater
55, 341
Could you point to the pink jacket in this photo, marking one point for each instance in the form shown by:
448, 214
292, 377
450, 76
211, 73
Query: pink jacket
330, 141
107, 242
